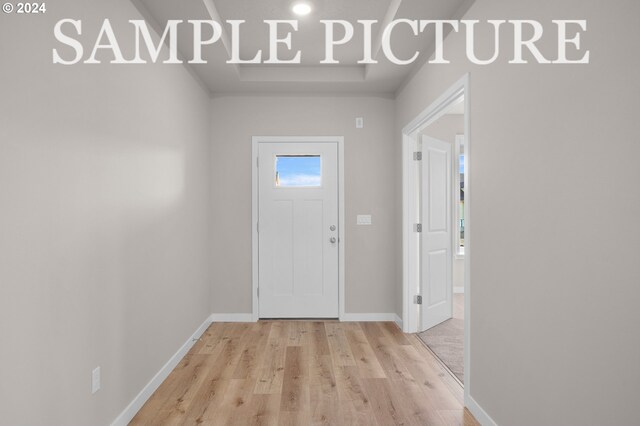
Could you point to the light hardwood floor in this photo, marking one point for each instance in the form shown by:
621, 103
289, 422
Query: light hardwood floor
307, 373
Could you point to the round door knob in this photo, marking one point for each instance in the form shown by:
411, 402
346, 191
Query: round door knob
332, 240
332, 228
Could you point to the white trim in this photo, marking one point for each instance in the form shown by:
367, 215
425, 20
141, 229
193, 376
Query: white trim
398, 321
458, 290
478, 412
136, 404
255, 140
411, 240
410, 174
467, 240
224, 317
254, 227
438, 108
342, 225
367, 317
457, 92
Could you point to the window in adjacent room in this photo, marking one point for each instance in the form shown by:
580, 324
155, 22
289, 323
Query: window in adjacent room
459, 195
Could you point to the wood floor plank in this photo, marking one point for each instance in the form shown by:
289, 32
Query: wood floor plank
323, 393
206, 402
461, 417
307, 373
430, 363
416, 406
253, 352
210, 339
295, 385
322, 406
298, 333
228, 356
271, 374
262, 410
430, 376
233, 409
391, 330
339, 345
372, 331
318, 338
174, 410
382, 347
164, 392
355, 405
385, 407
366, 359
219, 338
293, 418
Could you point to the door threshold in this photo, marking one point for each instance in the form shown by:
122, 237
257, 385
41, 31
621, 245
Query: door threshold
298, 319
444, 366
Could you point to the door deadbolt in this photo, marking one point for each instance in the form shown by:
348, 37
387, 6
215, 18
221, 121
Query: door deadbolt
332, 228
332, 240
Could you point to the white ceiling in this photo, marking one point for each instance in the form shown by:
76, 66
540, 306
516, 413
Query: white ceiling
310, 76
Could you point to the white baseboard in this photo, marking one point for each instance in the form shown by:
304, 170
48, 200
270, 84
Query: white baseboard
458, 290
478, 412
347, 317
356, 317
398, 321
134, 406
232, 317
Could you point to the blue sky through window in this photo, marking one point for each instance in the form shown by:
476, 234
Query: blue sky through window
298, 170
461, 163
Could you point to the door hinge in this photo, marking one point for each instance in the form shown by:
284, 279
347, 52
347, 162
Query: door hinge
418, 227
417, 156
257, 161
417, 300
258, 227
258, 291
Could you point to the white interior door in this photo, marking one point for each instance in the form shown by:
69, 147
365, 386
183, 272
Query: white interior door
436, 240
298, 230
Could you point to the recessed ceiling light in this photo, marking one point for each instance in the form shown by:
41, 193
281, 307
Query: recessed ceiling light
301, 9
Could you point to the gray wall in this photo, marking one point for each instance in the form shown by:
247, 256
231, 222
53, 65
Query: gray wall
555, 283
104, 217
369, 189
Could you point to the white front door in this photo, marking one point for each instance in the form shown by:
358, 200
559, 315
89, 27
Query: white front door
298, 230
436, 241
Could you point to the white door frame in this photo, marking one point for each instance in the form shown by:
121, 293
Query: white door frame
411, 240
255, 140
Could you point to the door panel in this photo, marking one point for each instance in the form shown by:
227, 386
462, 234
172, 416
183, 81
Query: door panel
436, 240
280, 266
437, 273
437, 178
298, 217
309, 243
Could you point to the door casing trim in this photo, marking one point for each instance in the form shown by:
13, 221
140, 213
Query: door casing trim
410, 240
255, 141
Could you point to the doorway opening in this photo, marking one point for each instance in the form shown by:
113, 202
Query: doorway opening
437, 231
298, 232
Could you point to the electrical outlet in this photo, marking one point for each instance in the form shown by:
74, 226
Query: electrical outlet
95, 380
359, 122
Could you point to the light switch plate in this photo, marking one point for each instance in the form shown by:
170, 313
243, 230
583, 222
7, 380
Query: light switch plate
359, 122
363, 219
